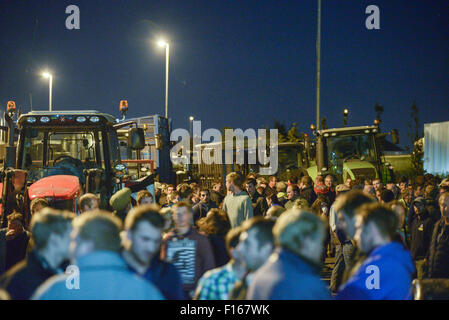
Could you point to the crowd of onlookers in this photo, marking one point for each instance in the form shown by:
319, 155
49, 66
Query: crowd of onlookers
252, 238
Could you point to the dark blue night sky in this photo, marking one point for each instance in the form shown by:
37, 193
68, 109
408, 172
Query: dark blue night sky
232, 63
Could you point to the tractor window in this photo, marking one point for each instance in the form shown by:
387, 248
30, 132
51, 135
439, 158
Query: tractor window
47, 148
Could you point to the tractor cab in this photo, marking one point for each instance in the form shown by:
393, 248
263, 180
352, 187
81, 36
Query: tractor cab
65, 154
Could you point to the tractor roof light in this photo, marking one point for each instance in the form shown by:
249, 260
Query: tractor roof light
31, 119
94, 119
11, 106
45, 119
123, 106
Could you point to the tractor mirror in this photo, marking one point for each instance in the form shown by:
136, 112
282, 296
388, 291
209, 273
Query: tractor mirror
136, 139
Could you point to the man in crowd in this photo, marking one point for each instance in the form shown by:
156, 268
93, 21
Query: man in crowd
13, 242
201, 209
272, 181
292, 194
368, 188
167, 191
37, 204
143, 226
421, 228
216, 193
329, 183
218, 283
259, 203
100, 273
190, 251
256, 244
349, 182
237, 204
307, 190
88, 202
386, 196
377, 184
50, 231
393, 188
386, 273
293, 271
438, 261
144, 197
345, 208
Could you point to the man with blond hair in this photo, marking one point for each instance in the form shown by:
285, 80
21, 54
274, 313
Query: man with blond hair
237, 204
99, 273
293, 271
50, 231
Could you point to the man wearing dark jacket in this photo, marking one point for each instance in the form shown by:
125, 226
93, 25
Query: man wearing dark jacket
260, 205
438, 258
201, 209
307, 190
215, 194
143, 226
51, 236
421, 234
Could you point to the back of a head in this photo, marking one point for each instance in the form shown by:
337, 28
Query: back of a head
386, 195
143, 194
87, 199
275, 212
281, 186
348, 202
215, 222
48, 221
263, 229
307, 181
149, 213
385, 219
236, 179
294, 226
43, 203
101, 228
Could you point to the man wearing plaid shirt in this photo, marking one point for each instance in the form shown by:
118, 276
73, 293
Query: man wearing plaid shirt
216, 284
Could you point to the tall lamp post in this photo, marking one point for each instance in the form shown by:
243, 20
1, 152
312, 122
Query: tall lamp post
345, 117
318, 65
191, 120
165, 44
50, 77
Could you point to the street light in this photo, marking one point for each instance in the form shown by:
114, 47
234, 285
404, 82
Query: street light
345, 117
50, 77
162, 43
191, 120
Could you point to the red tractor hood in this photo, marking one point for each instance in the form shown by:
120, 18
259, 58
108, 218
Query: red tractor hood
59, 187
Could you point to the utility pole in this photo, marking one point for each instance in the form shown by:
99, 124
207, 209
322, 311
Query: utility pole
318, 69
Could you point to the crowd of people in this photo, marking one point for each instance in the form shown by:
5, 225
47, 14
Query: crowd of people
251, 238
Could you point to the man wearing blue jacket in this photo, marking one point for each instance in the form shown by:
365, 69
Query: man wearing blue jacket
386, 274
293, 271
